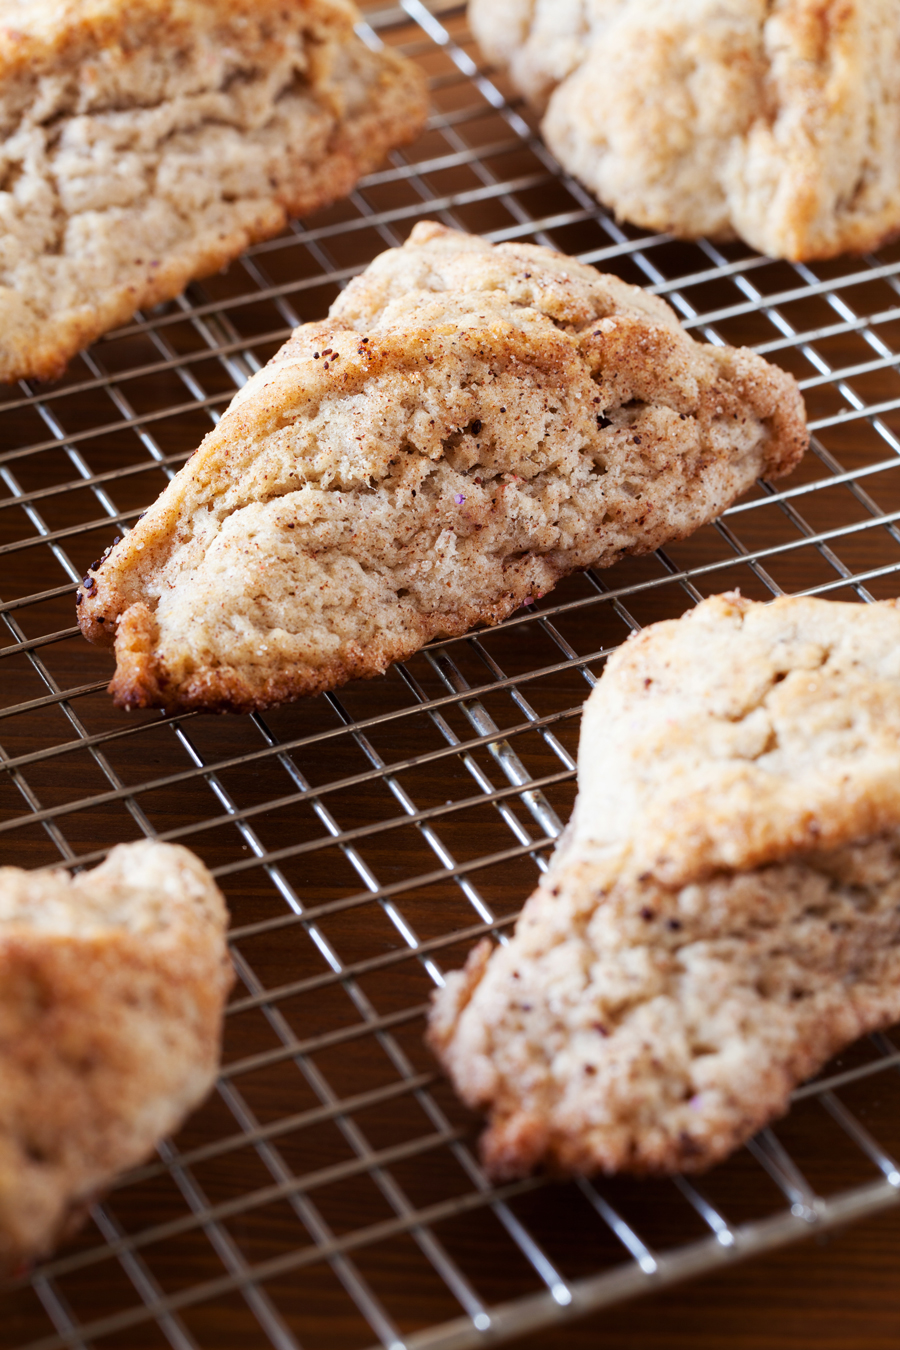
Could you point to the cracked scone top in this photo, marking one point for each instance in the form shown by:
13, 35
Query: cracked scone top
777, 121
469, 425
146, 142
112, 985
722, 913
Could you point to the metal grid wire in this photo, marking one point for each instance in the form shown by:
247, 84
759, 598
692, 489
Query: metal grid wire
329, 1193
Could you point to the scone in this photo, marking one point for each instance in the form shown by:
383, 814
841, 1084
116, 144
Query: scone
146, 142
776, 122
112, 985
469, 425
723, 912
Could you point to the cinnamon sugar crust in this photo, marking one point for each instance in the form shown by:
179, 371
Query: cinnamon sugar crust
143, 144
469, 425
778, 122
722, 914
112, 984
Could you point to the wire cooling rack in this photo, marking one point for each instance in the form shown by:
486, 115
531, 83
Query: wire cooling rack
329, 1194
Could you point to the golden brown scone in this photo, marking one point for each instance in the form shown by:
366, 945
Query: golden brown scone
112, 985
146, 142
722, 914
778, 122
471, 424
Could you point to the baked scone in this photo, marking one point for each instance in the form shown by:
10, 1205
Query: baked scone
471, 424
112, 985
723, 912
146, 142
778, 122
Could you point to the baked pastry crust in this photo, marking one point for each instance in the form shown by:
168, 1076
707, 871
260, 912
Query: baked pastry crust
112, 984
722, 914
471, 424
146, 142
776, 122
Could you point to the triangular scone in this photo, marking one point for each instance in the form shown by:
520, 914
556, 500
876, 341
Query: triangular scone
146, 142
777, 122
723, 912
471, 424
112, 985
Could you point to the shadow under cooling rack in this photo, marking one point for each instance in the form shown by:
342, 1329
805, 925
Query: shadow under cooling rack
329, 1194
